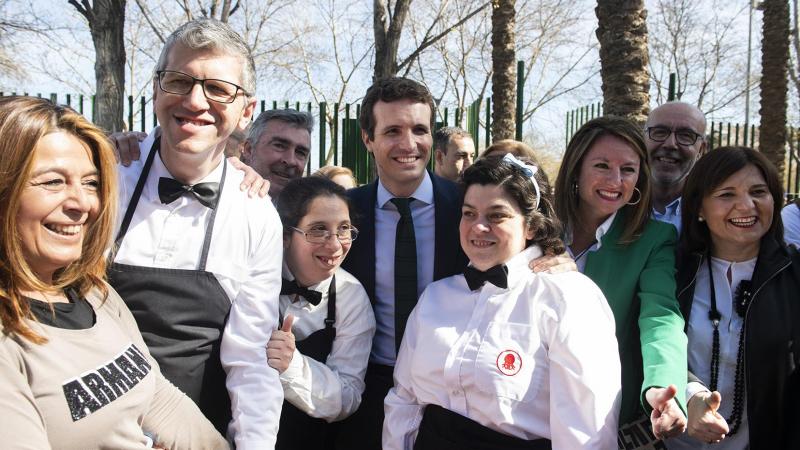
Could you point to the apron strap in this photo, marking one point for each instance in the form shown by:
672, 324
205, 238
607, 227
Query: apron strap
137, 193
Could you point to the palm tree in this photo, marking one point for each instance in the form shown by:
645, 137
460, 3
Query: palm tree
504, 70
774, 81
622, 34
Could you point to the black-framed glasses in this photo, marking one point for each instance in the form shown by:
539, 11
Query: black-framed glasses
320, 236
683, 136
179, 83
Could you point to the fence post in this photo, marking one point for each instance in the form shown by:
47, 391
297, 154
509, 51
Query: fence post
142, 115
130, 113
323, 125
335, 137
488, 121
520, 99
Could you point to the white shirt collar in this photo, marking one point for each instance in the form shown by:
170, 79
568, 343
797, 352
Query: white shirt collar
159, 170
424, 192
598, 234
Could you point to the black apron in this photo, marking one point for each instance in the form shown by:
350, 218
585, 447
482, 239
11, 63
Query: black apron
442, 429
298, 430
181, 314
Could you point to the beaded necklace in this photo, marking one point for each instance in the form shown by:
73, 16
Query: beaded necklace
742, 299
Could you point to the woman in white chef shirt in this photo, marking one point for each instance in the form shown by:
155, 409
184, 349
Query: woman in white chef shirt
501, 357
322, 348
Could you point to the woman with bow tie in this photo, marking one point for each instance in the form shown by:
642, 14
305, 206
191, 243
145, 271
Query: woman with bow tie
500, 357
322, 348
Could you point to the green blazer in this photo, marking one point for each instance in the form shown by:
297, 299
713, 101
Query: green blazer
638, 279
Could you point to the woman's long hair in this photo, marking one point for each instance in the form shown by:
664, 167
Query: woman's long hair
23, 122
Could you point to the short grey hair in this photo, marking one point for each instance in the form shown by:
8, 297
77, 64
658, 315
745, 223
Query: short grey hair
298, 119
213, 35
444, 135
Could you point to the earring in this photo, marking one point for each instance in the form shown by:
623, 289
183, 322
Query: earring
575, 187
635, 189
701, 219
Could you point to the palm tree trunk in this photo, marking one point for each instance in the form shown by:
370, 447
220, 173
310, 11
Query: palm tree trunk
774, 81
622, 34
504, 70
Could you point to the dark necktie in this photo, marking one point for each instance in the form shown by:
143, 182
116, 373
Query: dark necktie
497, 275
290, 287
405, 268
170, 190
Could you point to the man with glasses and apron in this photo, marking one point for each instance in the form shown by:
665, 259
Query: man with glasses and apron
197, 261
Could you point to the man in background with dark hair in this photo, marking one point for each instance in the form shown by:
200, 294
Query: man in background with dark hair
454, 151
408, 222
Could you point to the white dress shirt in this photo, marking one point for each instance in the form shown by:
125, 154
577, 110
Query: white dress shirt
330, 390
423, 214
700, 332
580, 258
790, 215
671, 214
245, 256
562, 384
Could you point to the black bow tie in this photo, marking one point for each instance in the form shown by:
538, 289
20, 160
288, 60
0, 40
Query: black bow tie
170, 190
497, 275
289, 287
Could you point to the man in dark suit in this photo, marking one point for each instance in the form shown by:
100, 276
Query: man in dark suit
408, 220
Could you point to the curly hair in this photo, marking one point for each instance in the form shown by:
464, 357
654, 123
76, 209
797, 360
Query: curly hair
493, 170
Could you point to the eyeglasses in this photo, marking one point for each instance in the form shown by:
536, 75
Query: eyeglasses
682, 136
220, 91
344, 234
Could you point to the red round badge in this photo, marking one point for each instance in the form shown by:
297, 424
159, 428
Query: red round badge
509, 363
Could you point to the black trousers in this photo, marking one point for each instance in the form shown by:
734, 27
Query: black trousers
363, 430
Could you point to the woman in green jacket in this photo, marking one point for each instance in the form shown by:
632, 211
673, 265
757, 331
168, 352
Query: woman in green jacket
603, 198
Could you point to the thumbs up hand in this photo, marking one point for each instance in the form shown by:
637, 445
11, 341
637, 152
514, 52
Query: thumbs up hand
705, 423
280, 347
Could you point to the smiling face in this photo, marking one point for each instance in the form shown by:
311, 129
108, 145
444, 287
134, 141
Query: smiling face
492, 228
312, 263
58, 204
402, 144
670, 161
738, 213
194, 128
280, 154
608, 174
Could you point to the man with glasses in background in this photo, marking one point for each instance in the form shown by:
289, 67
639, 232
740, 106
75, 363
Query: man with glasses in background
198, 262
675, 138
